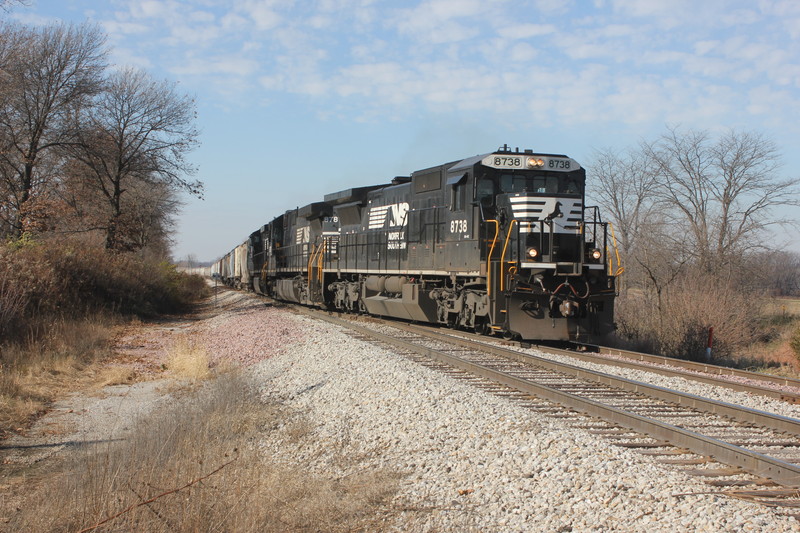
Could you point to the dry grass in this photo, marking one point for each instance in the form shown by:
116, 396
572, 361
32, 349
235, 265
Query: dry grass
777, 346
197, 467
679, 326
748, 331
784, 306
189, 359
64, 356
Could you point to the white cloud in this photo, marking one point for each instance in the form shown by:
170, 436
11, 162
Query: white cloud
213, 65
264, 17
522, 52
704, 47
526, 31
563, 61
153, 9
434, 21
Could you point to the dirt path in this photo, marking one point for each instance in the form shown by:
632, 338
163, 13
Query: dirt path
106, 415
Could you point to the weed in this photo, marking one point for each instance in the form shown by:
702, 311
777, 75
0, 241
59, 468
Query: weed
35, 371
188, 359
794, 343
196, 465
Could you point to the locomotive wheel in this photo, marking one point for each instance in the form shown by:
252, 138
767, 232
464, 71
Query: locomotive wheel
483, 328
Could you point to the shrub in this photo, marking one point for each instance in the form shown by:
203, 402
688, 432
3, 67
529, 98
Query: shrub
40, 282
677, 324
794, 342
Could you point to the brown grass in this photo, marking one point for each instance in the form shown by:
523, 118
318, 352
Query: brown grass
57, 302
198, 464
679, 326
784, 306
35, 372
749, 331
189, 359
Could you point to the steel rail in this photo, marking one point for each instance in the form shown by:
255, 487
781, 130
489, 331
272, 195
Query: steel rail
736, 412
678, 367
780, 471
687, 372
697, 367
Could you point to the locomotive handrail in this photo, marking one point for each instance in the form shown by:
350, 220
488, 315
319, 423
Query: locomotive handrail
620, 268
316, 251
489, 257
321, 258
503, 255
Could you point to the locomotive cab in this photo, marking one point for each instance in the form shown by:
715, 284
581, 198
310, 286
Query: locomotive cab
546, 261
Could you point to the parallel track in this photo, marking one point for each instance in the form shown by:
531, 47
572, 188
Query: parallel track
760, 443
719, 376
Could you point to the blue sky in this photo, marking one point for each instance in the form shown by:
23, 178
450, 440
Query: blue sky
299, 98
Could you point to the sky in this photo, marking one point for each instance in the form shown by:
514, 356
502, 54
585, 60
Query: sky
300, 98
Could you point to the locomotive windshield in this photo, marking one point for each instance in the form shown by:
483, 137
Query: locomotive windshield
492, 184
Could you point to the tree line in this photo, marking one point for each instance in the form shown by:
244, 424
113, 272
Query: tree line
87, 148
699, 220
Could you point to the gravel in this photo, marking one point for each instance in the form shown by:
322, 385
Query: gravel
471, 460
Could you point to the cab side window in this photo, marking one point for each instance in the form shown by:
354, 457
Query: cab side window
485, 192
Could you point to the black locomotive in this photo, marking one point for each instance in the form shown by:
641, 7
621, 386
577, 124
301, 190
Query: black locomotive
500, 243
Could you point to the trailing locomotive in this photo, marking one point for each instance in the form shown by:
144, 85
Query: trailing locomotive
499, 243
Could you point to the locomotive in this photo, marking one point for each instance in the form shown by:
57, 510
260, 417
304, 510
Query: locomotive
500, 243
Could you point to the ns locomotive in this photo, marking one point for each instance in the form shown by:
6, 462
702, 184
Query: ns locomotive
500, 243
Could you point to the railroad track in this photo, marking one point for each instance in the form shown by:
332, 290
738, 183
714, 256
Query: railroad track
717, 439
778, 387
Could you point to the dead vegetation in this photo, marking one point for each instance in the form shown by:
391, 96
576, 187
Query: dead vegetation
188, 358
59, 305
35, 372
197, 467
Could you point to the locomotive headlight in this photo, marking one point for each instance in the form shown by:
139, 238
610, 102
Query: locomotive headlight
535, 163
533, 253
596, 254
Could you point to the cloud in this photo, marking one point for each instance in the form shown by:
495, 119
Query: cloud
526, 31
637, 61
212, 65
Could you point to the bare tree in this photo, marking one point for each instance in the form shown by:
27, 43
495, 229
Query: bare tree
147, 217
139, 132
49, 72
693, 213
720, 193
625, 185
6, 5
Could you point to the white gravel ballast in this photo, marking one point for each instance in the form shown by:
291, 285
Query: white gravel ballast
474, 461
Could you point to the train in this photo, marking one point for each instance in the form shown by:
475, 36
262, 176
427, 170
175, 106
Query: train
500, 243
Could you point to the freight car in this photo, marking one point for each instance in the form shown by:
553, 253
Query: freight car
500, 243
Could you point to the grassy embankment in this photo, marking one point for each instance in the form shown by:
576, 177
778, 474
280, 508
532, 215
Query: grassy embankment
59, 303
196, 467
192, 466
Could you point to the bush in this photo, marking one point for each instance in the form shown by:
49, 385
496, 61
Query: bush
677, 324
40, 282
794, 342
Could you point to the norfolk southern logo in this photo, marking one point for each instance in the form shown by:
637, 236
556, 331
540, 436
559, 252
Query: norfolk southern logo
394, 214
563, 213
303, 235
